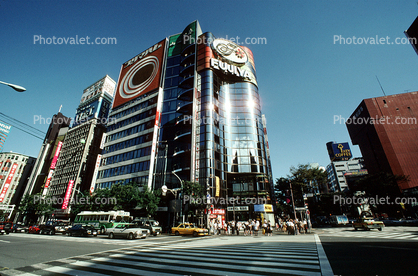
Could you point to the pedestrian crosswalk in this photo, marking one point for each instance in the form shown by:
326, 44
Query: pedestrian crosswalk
387, 233
98, 240
213, 256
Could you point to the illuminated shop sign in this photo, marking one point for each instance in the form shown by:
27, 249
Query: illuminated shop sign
230, 51
268, 208
339, 151
229, 68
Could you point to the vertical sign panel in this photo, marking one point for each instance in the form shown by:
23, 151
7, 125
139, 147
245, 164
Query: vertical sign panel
68, 194
8, 181
57, 153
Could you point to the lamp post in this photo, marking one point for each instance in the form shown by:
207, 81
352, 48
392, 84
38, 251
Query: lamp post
181, 202
164, 190
293, 203
18, 88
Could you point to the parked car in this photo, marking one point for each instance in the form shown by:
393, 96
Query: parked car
368, 223
390, 221
34, 229
340, 220
189, 229
52, 227
20, 228
408, 222
83, 230
152, 225
127, 230
6, 227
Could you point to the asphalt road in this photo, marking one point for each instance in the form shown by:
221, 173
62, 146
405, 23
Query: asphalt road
20, 249
391, 252
372, 255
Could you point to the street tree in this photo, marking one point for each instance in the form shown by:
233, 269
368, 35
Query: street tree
302, 180
148, 200
32, 209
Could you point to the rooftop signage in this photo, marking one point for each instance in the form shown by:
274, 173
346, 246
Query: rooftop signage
230, 51
339, 151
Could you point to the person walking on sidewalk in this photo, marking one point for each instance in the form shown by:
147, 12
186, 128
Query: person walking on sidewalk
268, 229
257, 227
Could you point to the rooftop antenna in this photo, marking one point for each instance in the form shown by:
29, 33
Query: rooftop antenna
60, 109
381, 86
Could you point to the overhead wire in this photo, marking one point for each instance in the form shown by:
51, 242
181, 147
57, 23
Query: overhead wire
28, 129
16, 120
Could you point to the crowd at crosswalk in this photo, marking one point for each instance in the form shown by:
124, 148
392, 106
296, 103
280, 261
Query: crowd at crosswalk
202, 257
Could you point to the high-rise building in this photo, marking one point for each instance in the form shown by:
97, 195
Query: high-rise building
15, 169
74, 168
49, 152
385, 128
339, 171
188, 109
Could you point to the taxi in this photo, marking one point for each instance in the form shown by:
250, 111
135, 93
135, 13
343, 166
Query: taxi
368, 223
189, 229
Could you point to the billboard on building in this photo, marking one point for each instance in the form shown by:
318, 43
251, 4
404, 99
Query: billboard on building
230, 59
4, 132
339, 151
104, 86
89, 111
141, 74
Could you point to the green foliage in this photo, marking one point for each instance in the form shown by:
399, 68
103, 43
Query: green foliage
381, 185
149, 200
303, 179
32, 209
127, 196
193, 189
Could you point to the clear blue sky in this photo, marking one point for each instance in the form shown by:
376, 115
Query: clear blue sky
305, 79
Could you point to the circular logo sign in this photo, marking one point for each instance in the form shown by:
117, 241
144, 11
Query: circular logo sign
139, 77
230, 51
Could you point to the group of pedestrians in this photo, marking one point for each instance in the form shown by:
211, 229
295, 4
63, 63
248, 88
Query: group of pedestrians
249, 228
292, 227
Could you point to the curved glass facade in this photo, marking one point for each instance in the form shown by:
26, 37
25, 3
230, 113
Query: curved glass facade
210, 131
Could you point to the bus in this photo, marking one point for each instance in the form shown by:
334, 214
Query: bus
102, 220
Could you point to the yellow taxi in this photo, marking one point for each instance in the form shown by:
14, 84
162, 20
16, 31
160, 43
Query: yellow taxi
368, 223
189, 229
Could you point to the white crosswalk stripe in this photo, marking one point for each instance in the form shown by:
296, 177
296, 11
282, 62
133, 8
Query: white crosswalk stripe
398, 234
201, 257
99, 239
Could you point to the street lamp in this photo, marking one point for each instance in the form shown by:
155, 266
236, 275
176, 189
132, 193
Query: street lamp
293, 203
181, 202
18, 88
164, 190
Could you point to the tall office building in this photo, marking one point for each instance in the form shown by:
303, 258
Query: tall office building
15, 169
386, 128
340, 171
74, 166
188, 109
51, 146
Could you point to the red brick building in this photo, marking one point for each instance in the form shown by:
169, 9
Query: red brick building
386, 130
